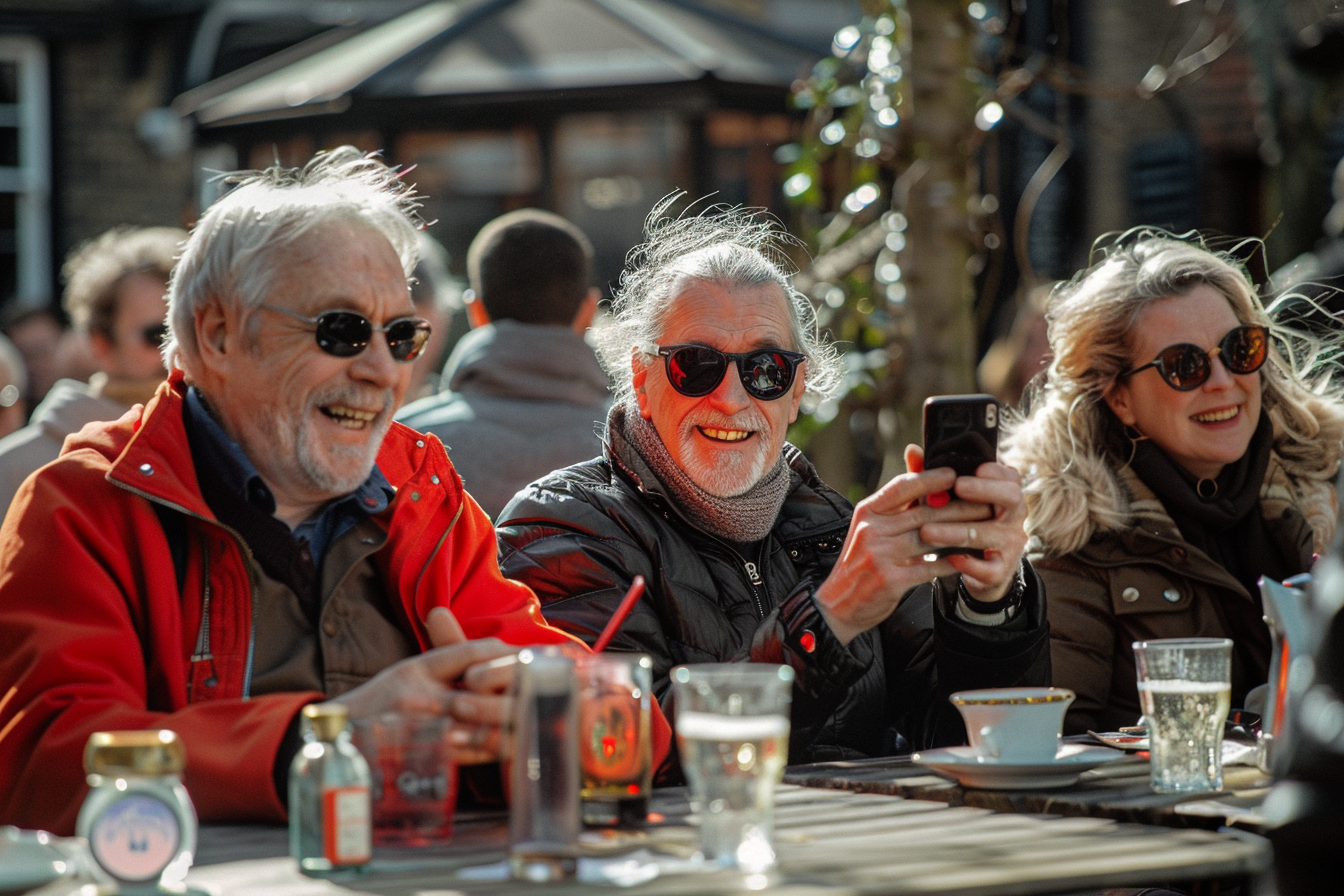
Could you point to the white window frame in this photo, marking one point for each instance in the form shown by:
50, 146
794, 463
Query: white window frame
31, 180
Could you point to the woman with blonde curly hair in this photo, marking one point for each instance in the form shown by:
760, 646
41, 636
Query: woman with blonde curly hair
1173, 454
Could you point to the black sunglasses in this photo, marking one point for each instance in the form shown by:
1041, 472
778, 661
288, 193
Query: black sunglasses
695, 370
154, 334
1187, 366
346, 334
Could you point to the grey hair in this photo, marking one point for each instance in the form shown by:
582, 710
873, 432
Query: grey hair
727, 245
235, 249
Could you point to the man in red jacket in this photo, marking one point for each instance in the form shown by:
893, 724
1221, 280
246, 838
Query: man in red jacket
261, 535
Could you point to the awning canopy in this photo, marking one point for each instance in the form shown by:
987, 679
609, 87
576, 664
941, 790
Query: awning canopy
493, 50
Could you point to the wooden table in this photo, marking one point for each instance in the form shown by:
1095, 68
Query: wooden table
829, 841
1118, 790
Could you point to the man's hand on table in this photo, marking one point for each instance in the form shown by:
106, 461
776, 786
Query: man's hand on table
895, 529
464, 680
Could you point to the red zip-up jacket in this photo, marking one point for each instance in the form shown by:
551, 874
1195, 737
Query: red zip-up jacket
95, 634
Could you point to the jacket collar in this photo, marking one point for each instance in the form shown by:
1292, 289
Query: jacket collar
1154, 537
519, 361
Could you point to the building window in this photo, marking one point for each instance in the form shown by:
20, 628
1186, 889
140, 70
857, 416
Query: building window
467, 179
609, 170
742, 168
25, 172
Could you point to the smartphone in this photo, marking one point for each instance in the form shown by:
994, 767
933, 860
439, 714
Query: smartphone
961, 432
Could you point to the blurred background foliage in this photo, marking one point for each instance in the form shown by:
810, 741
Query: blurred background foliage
889, 139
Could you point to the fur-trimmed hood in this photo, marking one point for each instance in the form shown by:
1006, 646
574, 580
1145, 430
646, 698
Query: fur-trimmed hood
1066, 509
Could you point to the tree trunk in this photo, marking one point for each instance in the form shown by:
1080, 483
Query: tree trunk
933, 340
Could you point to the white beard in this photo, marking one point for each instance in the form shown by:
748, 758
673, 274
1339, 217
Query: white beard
340, 469
725, 475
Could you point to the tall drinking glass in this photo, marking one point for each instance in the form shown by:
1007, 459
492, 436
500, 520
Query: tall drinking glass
1185, 688
732, 722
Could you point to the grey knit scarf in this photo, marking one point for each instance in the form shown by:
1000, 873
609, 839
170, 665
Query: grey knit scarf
746, 517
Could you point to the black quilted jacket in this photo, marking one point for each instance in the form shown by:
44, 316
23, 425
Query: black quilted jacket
580, 535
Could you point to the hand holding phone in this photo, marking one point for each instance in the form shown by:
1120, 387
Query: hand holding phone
961, 432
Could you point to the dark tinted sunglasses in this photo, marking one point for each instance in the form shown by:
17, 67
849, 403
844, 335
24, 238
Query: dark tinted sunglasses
1187, 366
154, 334
695, 370
346, 334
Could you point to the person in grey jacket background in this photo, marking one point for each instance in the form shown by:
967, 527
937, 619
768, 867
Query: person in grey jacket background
114, 294
524, 393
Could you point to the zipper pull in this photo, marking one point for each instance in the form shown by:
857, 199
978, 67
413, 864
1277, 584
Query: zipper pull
752, 573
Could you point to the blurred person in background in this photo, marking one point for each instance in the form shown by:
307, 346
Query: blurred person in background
114, 294
13, 385
437, 295
1174, 453
37, 334
523, 393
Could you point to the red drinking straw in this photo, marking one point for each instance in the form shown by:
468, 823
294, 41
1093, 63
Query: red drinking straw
627, 604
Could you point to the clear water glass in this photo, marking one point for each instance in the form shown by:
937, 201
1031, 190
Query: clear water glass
732, 724
1185, 689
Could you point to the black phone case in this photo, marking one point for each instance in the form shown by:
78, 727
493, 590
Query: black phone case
961, 432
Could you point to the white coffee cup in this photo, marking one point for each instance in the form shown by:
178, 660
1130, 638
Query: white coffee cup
1018, 726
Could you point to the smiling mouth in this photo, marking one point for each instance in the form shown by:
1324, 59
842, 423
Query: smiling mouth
1218, 416
724, 435
350, 418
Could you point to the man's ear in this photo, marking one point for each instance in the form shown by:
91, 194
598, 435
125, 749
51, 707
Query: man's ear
797, 391
641, 373
583, 319
477, 316
212, 323
1121, 402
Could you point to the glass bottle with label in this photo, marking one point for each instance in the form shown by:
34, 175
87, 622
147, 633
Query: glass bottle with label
330, 820
138, 819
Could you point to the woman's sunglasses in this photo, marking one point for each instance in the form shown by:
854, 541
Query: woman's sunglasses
696, 370
1187, 366
346, 334
154, 334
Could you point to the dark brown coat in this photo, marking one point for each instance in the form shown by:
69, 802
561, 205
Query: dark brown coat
1145, 582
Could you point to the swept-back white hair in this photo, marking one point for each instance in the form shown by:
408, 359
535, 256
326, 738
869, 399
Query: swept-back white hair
235, 249
725, 245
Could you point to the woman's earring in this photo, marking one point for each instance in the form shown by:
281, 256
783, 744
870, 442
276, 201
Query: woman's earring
1135, 437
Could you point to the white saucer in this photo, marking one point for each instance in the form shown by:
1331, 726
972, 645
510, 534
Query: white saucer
970, 769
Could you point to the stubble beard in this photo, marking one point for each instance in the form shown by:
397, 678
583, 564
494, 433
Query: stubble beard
336, 469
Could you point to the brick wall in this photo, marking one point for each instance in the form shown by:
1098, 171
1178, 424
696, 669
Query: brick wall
103, 175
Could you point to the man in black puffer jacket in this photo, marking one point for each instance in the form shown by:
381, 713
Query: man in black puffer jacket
748, 555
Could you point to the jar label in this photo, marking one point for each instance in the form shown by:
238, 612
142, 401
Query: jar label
135, 838
347, 825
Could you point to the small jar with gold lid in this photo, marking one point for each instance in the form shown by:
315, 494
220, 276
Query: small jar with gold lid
138, 818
